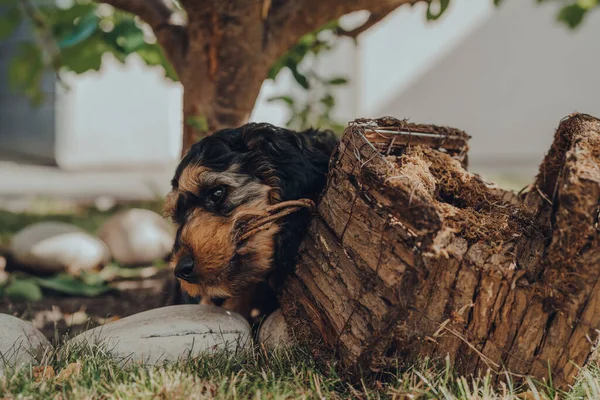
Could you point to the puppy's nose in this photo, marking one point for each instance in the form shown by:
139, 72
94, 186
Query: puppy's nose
185, 269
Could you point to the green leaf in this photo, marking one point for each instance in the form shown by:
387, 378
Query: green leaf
92, 278
443, 4
152, 54
307, 40
86, 55
83, 29
498, 2
286, 99
572, 15
301, 79
126, 36
338, 81
308, 43
26, 71
328, 101
63, 20
276, 68
331, 25
9, 22
67, 284
587, 4
23, 290
198, 122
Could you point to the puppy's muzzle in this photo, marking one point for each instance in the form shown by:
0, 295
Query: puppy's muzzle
185, 269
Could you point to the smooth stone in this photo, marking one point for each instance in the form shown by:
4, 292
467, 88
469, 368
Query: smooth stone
3, 273
20, 343
137, 237
170, 333
52, 246
274, 332
105, 203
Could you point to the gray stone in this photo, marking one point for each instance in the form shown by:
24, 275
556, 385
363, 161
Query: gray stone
137, 237
57, 246
20, 343
274, 332
170, 333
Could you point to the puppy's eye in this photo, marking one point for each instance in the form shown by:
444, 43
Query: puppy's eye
216, 194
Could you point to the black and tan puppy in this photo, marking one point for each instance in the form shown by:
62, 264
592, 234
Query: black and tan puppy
237, 172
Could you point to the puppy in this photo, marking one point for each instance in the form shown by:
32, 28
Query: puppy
225, 177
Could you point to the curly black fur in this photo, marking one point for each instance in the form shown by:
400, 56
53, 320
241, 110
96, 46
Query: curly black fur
294, 163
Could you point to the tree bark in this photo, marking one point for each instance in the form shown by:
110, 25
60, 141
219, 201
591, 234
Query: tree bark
411, 256
223, 50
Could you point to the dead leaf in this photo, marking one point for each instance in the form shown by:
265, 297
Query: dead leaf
41, 318
527, 395
102, 321
77, 318
42, 373
70, 371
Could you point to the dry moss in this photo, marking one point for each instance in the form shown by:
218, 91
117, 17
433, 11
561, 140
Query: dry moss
469, 206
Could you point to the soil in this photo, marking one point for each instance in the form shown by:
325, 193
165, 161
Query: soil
53, 314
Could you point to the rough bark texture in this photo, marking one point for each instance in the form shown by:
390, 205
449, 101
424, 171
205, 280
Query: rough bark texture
222, 50
412, 256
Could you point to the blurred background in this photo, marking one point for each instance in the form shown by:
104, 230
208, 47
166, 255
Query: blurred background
91, 117
506, 75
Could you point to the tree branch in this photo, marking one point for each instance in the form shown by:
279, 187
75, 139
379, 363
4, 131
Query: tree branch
374, 18
168, 23
153, 12
309, 15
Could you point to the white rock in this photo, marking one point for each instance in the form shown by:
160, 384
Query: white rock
3, 273
170, 333
105, 203
137, 236
274, 332
55, 246
20, 343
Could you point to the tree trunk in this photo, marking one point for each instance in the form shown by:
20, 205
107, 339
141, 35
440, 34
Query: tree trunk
411, 256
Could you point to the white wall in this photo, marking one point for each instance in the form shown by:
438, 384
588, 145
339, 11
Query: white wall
388, 57
396, 51
509, 84
122, 116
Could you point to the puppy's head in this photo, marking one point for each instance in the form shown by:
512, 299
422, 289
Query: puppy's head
226, 177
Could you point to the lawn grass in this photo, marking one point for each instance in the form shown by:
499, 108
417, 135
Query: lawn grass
256, 374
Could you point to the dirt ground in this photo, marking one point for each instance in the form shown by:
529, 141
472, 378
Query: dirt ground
57, 316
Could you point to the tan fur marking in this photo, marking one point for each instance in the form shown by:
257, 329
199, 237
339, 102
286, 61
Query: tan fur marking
189, 180
192, 290
169, 205
209, 237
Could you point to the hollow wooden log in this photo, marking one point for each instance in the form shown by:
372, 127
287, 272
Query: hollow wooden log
411, 256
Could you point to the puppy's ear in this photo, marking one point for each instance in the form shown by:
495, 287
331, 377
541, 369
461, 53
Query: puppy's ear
169, 205
285, 160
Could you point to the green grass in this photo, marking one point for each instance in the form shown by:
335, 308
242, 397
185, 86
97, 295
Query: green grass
255, 374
